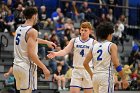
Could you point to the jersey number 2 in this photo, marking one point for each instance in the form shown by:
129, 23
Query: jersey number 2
99, 58
82, 52
18, 39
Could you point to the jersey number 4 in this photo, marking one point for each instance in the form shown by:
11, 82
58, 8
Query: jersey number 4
82, 52
99, 58
18, 39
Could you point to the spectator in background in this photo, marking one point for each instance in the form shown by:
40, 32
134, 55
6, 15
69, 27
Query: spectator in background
69, 28
103, 18
60, 31
87, 12
28, 3
134, 77
58, 60
77, 15
59, 77
110, 16
10, 20
3, 25
43, 16
67, 10
18, 14
3, 10
54, 39
123, 20
18, 10
117, 35
56, 15
84, 9
112, 2
19, 20
76, 33
134, 56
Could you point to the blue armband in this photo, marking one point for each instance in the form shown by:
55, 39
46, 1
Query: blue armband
119, 68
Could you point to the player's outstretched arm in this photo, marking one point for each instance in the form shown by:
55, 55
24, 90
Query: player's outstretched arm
31, 48
115, 60
86, 63
49, 43
63, 52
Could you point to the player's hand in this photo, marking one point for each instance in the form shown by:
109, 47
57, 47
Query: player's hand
51, 54
46, 73
125, 84
6, 75
51, 45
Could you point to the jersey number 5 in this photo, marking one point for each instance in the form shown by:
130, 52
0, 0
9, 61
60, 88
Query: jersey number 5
99, 58
18, 39
82, 52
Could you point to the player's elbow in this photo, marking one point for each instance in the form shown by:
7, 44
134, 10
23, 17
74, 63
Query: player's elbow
31, 55
85, 64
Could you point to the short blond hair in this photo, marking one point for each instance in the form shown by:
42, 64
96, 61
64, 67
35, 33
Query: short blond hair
86, 25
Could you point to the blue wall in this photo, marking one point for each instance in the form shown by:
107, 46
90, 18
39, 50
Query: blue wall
134, 15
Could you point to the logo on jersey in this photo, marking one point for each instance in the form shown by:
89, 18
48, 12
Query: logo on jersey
82, 46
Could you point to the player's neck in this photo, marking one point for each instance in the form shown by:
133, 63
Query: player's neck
28, 23
102, 40
84, 39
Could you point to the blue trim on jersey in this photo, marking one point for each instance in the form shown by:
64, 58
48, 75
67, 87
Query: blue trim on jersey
26, 33
109, 48
109, 79
76, 86
83, 41
34, 78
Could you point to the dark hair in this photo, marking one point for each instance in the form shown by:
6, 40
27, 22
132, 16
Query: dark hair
104, 29
29, 12
58, 64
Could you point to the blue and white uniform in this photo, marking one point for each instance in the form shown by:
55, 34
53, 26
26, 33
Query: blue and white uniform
103, 68
80, 77
24, 70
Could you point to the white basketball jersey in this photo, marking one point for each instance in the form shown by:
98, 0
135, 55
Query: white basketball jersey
20, 47
102, 58
81, 49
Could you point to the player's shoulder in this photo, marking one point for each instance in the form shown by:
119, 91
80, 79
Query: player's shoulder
32, 30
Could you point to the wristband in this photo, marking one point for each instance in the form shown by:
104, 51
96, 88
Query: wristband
119, 68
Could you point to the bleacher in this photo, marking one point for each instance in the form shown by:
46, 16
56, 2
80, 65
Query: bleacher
6, 57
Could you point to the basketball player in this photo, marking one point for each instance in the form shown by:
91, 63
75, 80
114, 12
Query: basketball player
80, 46
25, 51
104, 54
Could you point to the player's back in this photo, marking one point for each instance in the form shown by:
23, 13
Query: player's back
102, 57
20, 46
81, 49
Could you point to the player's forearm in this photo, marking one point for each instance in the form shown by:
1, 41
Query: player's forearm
36, 60
88, 68
65, 51
61, 53
10, 70
41, 41
119, 69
